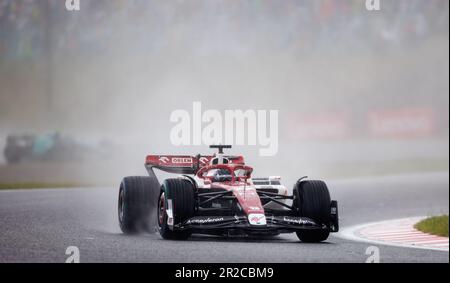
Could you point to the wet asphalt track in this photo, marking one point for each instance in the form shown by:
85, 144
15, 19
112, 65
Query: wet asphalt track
38, 226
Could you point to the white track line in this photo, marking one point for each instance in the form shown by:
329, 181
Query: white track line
404, 237
398, 233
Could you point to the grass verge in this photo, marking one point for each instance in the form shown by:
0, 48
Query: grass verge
437, 225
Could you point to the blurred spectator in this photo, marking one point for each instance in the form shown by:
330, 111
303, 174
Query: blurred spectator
208, 26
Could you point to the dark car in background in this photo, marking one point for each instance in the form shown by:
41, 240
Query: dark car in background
50, 147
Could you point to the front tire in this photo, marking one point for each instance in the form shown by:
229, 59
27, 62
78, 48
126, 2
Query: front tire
136, 204
181, 193
312, 200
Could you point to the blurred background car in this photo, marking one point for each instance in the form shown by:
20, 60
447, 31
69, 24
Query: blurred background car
51, 147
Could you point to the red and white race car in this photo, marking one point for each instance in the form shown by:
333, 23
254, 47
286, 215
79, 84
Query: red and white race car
217, 195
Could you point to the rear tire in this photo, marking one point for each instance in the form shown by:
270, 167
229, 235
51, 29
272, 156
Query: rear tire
137, 204
181, 193
312, 200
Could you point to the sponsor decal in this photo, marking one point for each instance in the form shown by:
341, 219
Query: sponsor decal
181, 160
402, 123
319, 126
164, 159
333, 210
204, 160
247, 190
254, 208
298, 221
257, 219
208, 220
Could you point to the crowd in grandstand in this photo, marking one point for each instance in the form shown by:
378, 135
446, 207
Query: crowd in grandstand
29, 27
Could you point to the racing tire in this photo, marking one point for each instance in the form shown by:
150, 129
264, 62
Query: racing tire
181, 193
137, 204
312, 200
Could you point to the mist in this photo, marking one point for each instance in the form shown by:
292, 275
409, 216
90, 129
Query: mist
358, 92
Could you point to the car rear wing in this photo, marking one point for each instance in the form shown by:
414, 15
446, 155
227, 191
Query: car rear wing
179, 164
184, 164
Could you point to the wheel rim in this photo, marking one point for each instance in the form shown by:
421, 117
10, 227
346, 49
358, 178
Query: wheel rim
121, 206
161, 209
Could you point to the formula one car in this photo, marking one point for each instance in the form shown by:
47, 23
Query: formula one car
217, 195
